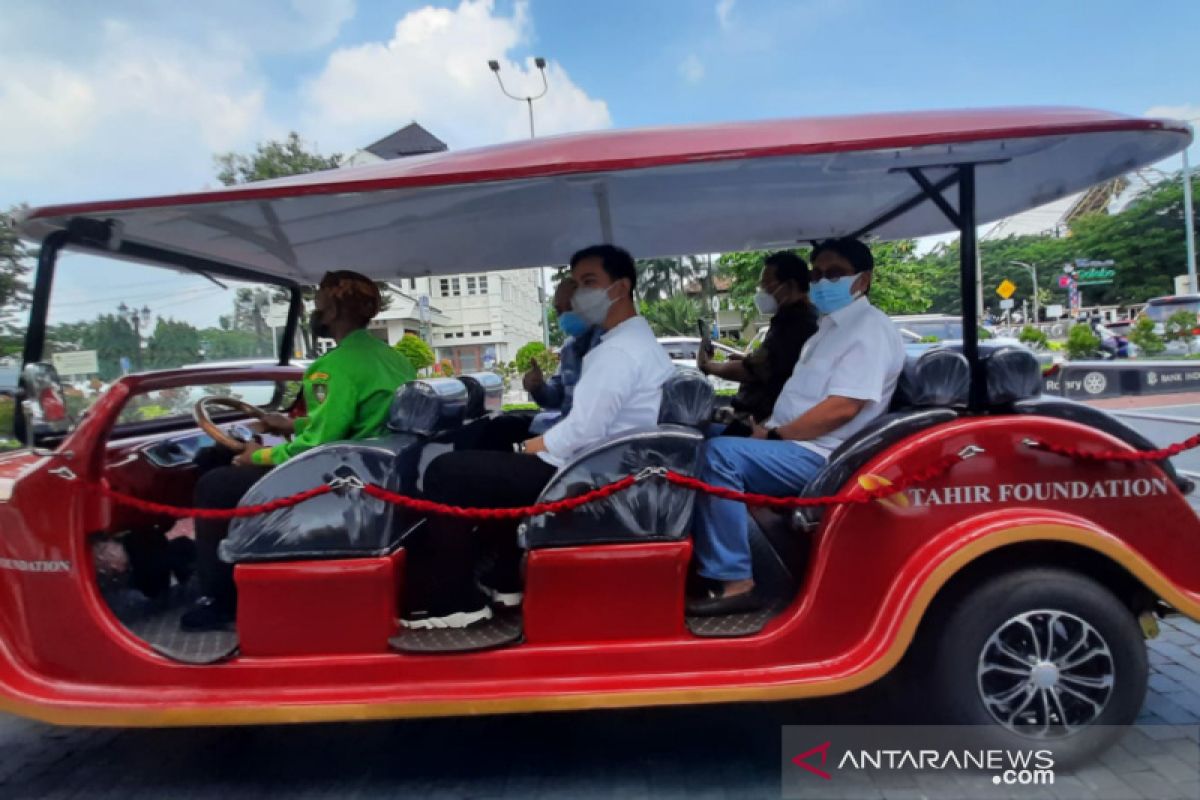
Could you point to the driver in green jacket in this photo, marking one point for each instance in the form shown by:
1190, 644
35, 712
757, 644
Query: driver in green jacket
347, 393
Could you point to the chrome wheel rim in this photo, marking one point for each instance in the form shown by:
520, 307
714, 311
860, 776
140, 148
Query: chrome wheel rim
1046, 674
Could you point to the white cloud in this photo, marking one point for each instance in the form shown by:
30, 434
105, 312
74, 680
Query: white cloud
143, 115
1184, 111
692, 69
724, 12
434, 70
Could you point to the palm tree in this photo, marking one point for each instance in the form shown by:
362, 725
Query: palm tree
677, 315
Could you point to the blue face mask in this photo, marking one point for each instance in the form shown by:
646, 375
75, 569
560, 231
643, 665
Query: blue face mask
572, 324
830, 296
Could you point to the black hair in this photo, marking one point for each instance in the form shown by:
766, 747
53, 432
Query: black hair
789, 267
616, 262
854, 251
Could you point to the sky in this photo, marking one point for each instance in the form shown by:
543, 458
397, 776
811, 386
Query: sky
133, 97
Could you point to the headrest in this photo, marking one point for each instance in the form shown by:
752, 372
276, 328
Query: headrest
938, 377
1013, 373
428, 406
485, 393
687, 399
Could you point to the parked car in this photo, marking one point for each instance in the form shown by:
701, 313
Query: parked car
682, 351
1160, 309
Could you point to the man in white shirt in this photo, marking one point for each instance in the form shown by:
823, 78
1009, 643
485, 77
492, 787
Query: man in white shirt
619, 389
845, 378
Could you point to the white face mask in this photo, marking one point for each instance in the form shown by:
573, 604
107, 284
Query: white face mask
765, 302
592, 304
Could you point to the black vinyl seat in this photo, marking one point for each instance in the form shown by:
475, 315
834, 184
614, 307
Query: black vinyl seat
346, 523
649, 511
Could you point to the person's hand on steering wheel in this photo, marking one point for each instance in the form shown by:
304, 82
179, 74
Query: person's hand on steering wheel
246, 457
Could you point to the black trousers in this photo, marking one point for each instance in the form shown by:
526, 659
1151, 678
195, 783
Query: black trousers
221, 487
442, 557
498, 433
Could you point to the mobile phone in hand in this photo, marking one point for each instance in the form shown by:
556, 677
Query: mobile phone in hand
705, 337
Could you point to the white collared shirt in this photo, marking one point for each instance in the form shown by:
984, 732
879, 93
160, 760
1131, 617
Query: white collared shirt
619, 389
857, 353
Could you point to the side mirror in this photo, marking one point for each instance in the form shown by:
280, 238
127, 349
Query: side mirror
43, 405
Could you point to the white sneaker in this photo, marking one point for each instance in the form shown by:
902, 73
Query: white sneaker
458, 619
506, 599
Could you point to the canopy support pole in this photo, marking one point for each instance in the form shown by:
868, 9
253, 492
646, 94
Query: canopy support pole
288, 342
39, 308
967, 253
964, 220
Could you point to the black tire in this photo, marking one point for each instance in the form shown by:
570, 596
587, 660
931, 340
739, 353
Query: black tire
953, 650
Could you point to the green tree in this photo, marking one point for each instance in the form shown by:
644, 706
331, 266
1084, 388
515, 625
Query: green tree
173, 344
1146, 337
536, 351
272, 159
414, 348
276, 159
1181, 327
222, 344
15, 259
675, 316
528, 352
1082, 342
902, 283
557, 337
743, 270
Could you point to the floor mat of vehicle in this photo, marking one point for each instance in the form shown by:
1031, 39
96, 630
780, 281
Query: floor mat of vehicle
773, 578
156, 622
503, 629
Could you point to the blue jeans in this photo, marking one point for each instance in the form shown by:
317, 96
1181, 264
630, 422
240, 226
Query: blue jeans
722, 537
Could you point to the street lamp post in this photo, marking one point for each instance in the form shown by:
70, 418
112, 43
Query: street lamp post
1188, 224
1033, 271
540, 63
135, 317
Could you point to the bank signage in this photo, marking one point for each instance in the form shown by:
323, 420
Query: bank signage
1092, 381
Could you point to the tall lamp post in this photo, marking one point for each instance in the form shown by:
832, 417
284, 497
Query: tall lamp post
1033, 271
1188, 224
540, 63
135, 317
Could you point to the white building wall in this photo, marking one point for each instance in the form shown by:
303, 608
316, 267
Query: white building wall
491, 316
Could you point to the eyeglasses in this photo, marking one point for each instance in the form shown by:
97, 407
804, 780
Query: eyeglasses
833, 277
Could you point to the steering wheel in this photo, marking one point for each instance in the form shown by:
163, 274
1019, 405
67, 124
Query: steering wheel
202, 414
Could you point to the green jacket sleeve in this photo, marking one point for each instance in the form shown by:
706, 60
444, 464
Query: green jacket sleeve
327, 421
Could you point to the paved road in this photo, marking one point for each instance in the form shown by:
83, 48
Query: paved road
705, 752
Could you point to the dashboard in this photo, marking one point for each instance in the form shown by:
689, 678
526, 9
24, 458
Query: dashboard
180, 450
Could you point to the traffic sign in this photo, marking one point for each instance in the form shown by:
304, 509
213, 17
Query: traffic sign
77, 362
1007, 304
1006, 288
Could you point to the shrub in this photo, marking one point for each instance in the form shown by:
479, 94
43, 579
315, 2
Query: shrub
984, 333
525, 356
536, 351
1034, 337
1181, 327
446, 368
414, 348
1081, 342
1146, 338
931, 339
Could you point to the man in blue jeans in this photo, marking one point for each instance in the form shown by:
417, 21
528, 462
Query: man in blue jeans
844, 379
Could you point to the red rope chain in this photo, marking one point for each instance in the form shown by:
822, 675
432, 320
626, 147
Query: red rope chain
854, 495
1163, 453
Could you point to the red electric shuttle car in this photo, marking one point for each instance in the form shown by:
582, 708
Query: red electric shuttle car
1021, 579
